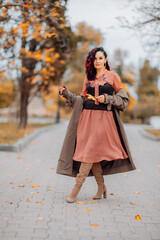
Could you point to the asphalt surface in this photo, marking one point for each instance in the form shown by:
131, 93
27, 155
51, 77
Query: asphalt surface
33, 197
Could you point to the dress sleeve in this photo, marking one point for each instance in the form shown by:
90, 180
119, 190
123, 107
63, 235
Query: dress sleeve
117, 82
84, 89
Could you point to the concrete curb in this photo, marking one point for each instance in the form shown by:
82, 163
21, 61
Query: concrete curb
22, 143
148, 135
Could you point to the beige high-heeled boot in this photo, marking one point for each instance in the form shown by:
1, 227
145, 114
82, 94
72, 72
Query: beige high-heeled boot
97, 172
80, 178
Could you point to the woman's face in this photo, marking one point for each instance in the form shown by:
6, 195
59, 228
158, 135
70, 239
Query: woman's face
99, 60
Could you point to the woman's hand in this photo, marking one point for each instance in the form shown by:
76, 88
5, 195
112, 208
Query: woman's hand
61, 89
101, 98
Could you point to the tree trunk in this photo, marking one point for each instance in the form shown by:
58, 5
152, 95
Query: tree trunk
24, 105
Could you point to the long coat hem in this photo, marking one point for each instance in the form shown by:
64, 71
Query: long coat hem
66, 164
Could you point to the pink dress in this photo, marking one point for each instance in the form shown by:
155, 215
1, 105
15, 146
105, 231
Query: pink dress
97, 134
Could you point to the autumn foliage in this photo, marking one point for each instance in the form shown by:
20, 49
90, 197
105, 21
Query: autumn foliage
35, 40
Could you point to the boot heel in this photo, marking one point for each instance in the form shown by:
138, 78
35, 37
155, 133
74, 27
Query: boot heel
105, 192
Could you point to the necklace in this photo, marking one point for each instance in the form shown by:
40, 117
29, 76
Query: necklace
99, 75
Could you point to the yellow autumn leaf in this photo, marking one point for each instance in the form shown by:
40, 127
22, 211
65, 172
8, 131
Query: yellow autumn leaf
136, 192
34, 185
86, 210
27, 200
11, 182
89, 96
94, 225
38, 202
91, 202
111, 193
34, 192
40, 218
138, 217
5, 218
80, 202
133, 203
24, 69
67, 211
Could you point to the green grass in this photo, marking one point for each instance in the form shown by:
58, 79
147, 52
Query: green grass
155, 132
10, 133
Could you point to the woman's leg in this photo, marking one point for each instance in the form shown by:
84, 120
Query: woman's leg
80, 178
97, 172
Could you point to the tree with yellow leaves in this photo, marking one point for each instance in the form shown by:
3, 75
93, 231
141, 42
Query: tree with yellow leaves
35, 39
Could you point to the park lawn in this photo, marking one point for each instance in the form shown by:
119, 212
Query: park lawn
155, 132
10, 133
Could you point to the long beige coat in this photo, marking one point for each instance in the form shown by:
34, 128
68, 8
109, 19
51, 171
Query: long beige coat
66, 164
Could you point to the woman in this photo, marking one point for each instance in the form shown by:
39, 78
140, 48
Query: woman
95, 142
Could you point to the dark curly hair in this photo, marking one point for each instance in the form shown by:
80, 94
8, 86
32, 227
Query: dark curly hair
90, 69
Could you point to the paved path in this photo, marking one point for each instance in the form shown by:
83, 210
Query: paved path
52, 218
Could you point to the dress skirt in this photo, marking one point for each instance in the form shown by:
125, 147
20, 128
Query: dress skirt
98, 138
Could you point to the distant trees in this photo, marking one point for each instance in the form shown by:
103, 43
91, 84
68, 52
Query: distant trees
36, 40
128, 78
146, 23
148, 103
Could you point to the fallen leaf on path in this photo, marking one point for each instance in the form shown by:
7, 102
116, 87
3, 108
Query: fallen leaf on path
136, 192
91, 202
34, 185
49, 189
28, 180
133, 203
67, 211
21, 185
27, 169
111, 193
116, 200
80, 202
11, 202
40, 218
34, 192
38, 202
137, 217
125, 175
4, 200
5, 218
27, 200
11, 182
158, 165
86, 210
94, 225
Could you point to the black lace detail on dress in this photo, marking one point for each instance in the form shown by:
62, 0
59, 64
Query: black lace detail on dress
90, 104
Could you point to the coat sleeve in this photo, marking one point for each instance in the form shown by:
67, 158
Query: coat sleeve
84, 89
70, 97
119, 100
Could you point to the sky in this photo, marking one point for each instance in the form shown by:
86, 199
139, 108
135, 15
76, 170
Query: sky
102, 15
